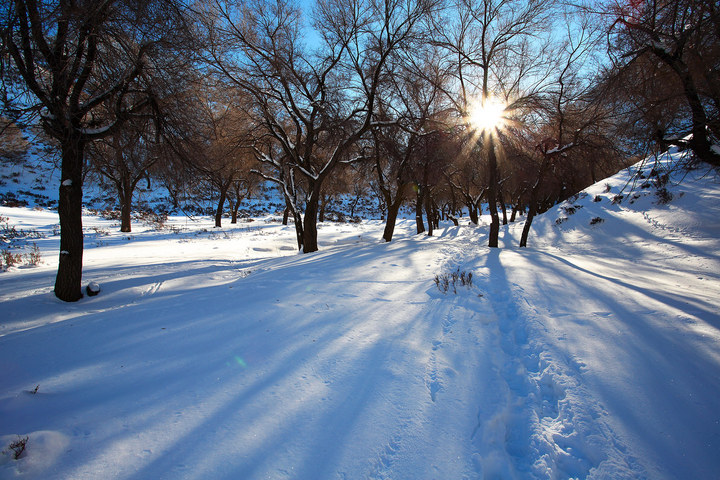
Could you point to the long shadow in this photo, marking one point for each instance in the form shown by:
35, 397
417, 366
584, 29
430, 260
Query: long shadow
676, 301
144, 365
642, 394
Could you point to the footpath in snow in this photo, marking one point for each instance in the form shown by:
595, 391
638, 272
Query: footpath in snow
594, 353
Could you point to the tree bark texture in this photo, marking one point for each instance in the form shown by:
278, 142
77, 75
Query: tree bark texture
68, 282
393, 210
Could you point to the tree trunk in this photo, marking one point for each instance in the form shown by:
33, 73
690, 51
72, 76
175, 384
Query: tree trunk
221, 204
299, 234
418, 210
323, 203
125, 212
286, 214
514, 213
526, 227
473, 212
125, 191
310, 224
69, 275
699, 143
393, 209
429, 213
533, 204
234, 207
504, 208
233, 213
492, 194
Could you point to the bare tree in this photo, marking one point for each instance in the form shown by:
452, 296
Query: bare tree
412, 98
222, 147
569, 117
125, 158
682, 35
497, 53
468, 180
84, 63
314, 106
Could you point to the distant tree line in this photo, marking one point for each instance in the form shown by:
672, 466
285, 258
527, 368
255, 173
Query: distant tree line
389, 99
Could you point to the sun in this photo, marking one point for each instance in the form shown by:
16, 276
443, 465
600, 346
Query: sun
488, 115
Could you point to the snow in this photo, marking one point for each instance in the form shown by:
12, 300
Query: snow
223, 353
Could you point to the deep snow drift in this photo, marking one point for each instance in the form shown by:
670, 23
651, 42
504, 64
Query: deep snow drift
222, 353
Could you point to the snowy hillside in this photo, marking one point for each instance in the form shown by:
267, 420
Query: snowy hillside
31, 180
224, 354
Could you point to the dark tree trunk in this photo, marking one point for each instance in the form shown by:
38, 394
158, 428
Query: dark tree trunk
699, 143
473, 212
299, 234
323, 204
221, 203
68, 282
286, 214
393, 209
418, 210
526, 227
514, 213
125, 208
234, 207
453, 202
534, 202
492, 194
429, 213
353, 205
310, 223
126, 187
504, 209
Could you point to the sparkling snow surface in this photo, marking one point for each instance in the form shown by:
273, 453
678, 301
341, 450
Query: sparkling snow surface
225, 354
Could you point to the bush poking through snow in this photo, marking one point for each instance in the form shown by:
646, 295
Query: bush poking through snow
92, 289
663, 196
33, 257
596, 220
571, 209
9, 259
447, 280
17, 447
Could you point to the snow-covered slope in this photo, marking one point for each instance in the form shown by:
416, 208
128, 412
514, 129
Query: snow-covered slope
222, 353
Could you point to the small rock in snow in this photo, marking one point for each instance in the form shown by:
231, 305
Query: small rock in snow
92, 289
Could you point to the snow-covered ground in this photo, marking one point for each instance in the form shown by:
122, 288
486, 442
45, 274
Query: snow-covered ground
224, 354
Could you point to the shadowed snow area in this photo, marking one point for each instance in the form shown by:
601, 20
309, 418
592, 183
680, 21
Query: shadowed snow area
224, 354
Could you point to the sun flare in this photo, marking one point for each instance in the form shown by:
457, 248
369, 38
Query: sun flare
487, 115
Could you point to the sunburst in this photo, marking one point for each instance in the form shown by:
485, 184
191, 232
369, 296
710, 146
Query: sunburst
487, 116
